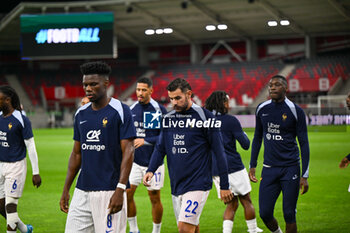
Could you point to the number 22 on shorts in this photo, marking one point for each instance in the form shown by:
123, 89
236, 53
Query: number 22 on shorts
191, 208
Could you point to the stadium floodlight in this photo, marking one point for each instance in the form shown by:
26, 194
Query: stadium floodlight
284, 22
210, 27
168, 30
272, 23
222, 26
149, 32
159, 31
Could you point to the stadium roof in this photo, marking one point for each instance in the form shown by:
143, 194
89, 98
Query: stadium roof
245, 19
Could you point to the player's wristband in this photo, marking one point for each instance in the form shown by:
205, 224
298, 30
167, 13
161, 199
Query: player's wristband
122, 186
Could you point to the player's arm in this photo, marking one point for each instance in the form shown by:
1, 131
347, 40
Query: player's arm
345, 162
151, 139
138, 142
33, 156
116, 201
28, 138
256, 145
305, 150
74, 165
216, 144
156, 160
240, 135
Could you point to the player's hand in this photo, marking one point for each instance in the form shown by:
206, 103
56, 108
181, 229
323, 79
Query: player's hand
304, 185
116, 201
36, 180
64, 201
252, 175
344, 163
147, 178
139, 142
226, 195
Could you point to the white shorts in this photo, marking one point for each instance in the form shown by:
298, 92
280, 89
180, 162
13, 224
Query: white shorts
88, 213
12, 178
188, 207
238, 181
137, 173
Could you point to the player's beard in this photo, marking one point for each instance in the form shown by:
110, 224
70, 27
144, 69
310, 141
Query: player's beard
143, 100
181, 108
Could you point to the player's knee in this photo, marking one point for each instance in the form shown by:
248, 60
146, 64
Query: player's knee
11, 204
289, 216
233, 205
154, 196
245, 199
186, 228
266, 215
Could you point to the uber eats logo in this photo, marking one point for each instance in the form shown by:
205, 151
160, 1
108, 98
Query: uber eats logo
152, 120
273, 132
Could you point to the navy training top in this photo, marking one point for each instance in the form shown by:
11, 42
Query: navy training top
14, 129
143, 154
99, 133
187, 139
231, 131
279, 124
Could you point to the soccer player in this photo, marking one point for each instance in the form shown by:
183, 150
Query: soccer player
188, 135
231, 131
144, 144
346, 160
16, 137
279, 121
84, 101
103, 153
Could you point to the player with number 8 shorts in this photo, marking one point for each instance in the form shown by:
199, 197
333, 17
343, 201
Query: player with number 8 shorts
102, 154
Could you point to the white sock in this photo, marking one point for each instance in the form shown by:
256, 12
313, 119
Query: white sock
252, 225
22, 227
133, 224
227, 226
278, 230
11, 231
156, 227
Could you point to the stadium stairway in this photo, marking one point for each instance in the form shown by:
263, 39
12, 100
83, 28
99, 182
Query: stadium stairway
341, 87
263, 95
14, 82
39, 118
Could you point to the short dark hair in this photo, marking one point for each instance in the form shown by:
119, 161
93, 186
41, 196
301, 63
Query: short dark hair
216, 102
180, 83
284, 80
96, 67
145, 80
11, 93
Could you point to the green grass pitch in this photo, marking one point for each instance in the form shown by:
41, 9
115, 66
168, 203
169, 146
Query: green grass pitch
325, 208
